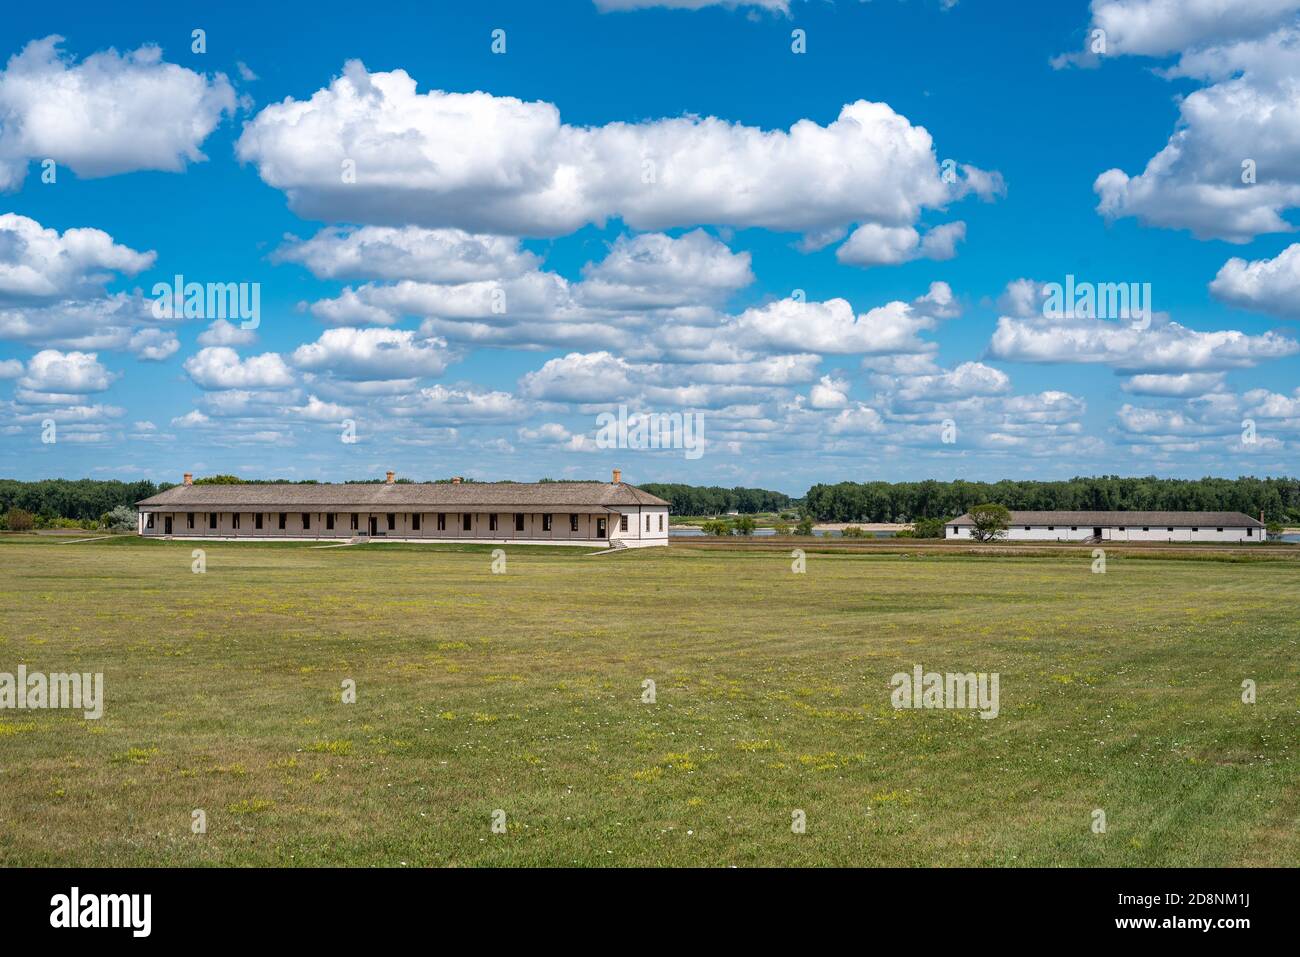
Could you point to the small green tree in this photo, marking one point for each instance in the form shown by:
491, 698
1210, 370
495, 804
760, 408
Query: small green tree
805, 526
928, 528
744, 525
19, 520
716, 526
781, 528
990, 521
853, 531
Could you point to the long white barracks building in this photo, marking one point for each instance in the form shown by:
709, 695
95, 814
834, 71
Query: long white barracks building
1122, 527
613, 514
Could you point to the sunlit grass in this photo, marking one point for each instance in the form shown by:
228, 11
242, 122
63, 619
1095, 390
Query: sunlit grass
523, 692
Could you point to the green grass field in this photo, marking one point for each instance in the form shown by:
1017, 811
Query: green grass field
522, 692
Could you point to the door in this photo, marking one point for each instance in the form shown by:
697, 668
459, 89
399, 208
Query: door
167, 525
374, 525
1096, 533
600, 528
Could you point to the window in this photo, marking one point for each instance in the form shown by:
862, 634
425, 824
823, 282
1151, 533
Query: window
189, 519
415, 521
1195, 529
1146, 528
1074, 528
1051, 528
355, 520
661, 521
622, 523
1171, 528
1218, 529
573, 523
329, 521
647, 523
212, 519
234, 520
283, 516
1250, 532
392, 521
466, 522
1121, 528
546, 523
492, 522
257, 521
1027, 528
149, 521
519, 521
442, 521
306, 520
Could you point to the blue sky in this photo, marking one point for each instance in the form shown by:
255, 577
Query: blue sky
618, 210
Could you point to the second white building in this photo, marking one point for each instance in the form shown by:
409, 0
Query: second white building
1122, 527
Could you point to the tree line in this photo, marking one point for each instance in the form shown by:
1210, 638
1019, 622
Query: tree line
1277, 498
76, 499
715, 500
89, 499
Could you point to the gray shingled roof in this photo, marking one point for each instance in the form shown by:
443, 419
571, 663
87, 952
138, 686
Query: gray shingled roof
402, 495
1151, 519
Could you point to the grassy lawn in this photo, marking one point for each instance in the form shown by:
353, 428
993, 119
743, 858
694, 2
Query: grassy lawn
522, 692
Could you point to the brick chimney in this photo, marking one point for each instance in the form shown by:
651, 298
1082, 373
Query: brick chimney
456, 480
189, 478
388, 478
618, 476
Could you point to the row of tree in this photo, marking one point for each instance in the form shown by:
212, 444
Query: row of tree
78, 499
1277, 498
715, 500
89, 499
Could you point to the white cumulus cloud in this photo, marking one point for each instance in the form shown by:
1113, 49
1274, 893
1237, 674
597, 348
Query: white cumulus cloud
220, 367
377, 354
41, 263
110, 113
1164, 346
876, 245
52, 371
1270, 286
428, 255
498, 164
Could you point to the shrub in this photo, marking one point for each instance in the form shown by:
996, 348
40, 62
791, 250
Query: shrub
781, 528
744, 525
19, 520
119, 519
805, 526
58, 521
854, 531
716, 526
